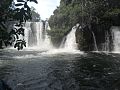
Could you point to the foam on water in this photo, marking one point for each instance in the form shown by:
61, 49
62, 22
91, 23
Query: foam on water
61, 51
28, 56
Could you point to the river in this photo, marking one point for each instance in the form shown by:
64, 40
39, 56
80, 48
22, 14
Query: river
58, 70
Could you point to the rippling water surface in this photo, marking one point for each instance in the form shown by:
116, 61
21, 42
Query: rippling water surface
60, 70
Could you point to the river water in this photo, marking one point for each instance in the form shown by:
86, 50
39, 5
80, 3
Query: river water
59, 70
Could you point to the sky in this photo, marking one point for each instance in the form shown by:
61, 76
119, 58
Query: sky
45, 7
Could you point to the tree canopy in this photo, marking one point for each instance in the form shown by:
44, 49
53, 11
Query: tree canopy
35, 15
71, 12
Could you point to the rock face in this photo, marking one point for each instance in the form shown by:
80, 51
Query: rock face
102, 35
88, 36
84, 39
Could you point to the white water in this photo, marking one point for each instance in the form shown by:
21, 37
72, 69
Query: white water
95, 43
69, 42
68, 45
27, 30
36, 36
37, 40
116, 39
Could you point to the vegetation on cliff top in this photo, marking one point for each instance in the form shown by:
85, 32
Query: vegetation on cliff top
84, 12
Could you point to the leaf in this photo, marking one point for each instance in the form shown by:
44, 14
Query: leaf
19, 4
17, 36
34, 1
26, 6
20, 44
12, 32
20, 1
18, 25
24, 43
16, 45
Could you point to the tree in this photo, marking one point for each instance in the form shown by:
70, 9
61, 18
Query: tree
84, 12
20, 12
5, 14
35, 15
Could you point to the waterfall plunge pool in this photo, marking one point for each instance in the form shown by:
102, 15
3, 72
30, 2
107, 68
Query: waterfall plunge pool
43, 70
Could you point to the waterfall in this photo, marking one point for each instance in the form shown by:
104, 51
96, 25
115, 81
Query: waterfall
116, 38
63, 42
27, 30
69, 42
36, 35
95, 44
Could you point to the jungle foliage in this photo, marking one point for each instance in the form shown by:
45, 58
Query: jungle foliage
84, 12
35, 16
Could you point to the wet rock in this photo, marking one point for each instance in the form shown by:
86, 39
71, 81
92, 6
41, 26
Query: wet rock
84, 39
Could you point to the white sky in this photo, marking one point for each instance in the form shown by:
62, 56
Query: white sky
45, 7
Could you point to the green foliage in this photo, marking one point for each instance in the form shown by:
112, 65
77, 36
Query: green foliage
57, 32
112, 12
5, 14
71, 12
22, 15
20, 12
19, 44
35, 16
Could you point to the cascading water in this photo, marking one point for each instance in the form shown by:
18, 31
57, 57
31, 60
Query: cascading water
36, 35
47, 42
95, 44
27, 31
37, 38
116, 39
69, 42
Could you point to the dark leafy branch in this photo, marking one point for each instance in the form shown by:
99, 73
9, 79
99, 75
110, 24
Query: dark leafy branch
5, 14
20, 13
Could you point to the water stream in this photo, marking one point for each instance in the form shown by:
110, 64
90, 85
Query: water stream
95, 43
69, 41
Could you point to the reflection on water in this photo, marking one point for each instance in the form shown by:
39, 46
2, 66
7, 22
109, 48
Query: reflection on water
35, 70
